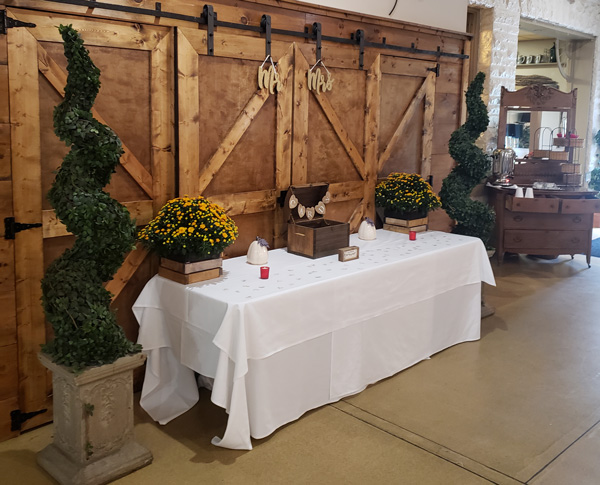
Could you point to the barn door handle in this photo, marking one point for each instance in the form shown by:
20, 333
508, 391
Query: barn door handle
8, 23
435, 69
11, 227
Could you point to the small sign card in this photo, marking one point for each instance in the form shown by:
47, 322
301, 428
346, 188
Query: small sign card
348, 253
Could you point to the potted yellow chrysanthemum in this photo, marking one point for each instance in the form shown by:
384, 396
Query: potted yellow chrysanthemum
405, 196
189, 229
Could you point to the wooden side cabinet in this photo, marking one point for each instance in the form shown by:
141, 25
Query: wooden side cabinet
552, 223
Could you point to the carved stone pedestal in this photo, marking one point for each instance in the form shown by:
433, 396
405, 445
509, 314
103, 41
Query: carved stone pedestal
93, 424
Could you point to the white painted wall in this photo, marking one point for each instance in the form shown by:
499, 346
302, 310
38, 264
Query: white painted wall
444, 14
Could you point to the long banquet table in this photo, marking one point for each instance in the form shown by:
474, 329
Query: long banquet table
314, 332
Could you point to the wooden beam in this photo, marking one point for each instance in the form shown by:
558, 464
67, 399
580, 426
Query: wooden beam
405, 67
4, 114
125, 35
189, 126
427, 140
344, 191
408, 114
58, 79
300, 142
466, 69
283, 141
342, 134
27, 205
236, 46
132, 262
371, 152
240, 126
161, 122
247, 202
283, 149
140, 210
356, 217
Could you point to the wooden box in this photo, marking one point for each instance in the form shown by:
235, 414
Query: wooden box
317, 237
559, 155
189, 273
572, 179
541, 153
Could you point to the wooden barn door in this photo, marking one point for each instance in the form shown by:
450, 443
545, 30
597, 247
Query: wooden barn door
407, 104
9, 376
134, 101
235, 139
333, 139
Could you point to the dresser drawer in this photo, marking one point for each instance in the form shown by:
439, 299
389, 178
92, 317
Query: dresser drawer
559, 222
561, 241
580, 206
522, 204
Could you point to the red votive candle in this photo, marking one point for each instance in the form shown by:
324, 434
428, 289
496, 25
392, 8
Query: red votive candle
412, 235
264, 272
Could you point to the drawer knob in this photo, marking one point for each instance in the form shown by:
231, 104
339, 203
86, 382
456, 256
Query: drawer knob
576, 219
518, 218
517, 239
575, 240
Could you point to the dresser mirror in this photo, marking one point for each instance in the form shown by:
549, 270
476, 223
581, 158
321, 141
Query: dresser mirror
532, 117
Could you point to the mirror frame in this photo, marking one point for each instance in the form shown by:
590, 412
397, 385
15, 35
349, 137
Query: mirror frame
536, 97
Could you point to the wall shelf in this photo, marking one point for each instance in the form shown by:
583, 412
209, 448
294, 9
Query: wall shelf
539, 64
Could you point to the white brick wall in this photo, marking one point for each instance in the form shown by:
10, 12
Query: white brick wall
498, 47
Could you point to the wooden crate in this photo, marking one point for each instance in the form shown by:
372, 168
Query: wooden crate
317, 237
406, 222
570, 167
559, 155
541, 153
404, 229
189, 273
572, 179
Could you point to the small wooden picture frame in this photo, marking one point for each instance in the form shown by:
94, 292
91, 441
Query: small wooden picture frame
348, 253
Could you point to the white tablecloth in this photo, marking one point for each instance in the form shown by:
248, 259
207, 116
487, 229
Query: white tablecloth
314, 332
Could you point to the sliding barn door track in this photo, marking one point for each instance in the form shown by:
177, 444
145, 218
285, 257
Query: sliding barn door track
209, 19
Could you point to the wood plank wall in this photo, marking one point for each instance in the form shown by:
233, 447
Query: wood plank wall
292, 137
8, 322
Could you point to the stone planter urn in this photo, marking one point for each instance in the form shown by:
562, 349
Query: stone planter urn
93, 423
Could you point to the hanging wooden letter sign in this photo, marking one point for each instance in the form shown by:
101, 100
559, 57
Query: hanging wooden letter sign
317, 81
269, 79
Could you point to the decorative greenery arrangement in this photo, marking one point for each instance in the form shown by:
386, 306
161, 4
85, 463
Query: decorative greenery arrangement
86, 332
473, 218
189, 229
595, 174
404, 193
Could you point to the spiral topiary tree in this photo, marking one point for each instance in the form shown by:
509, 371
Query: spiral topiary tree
473, 218
77, 305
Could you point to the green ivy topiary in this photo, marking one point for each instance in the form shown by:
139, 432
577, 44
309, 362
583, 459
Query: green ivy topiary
77, 305
595, 174
473, 218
